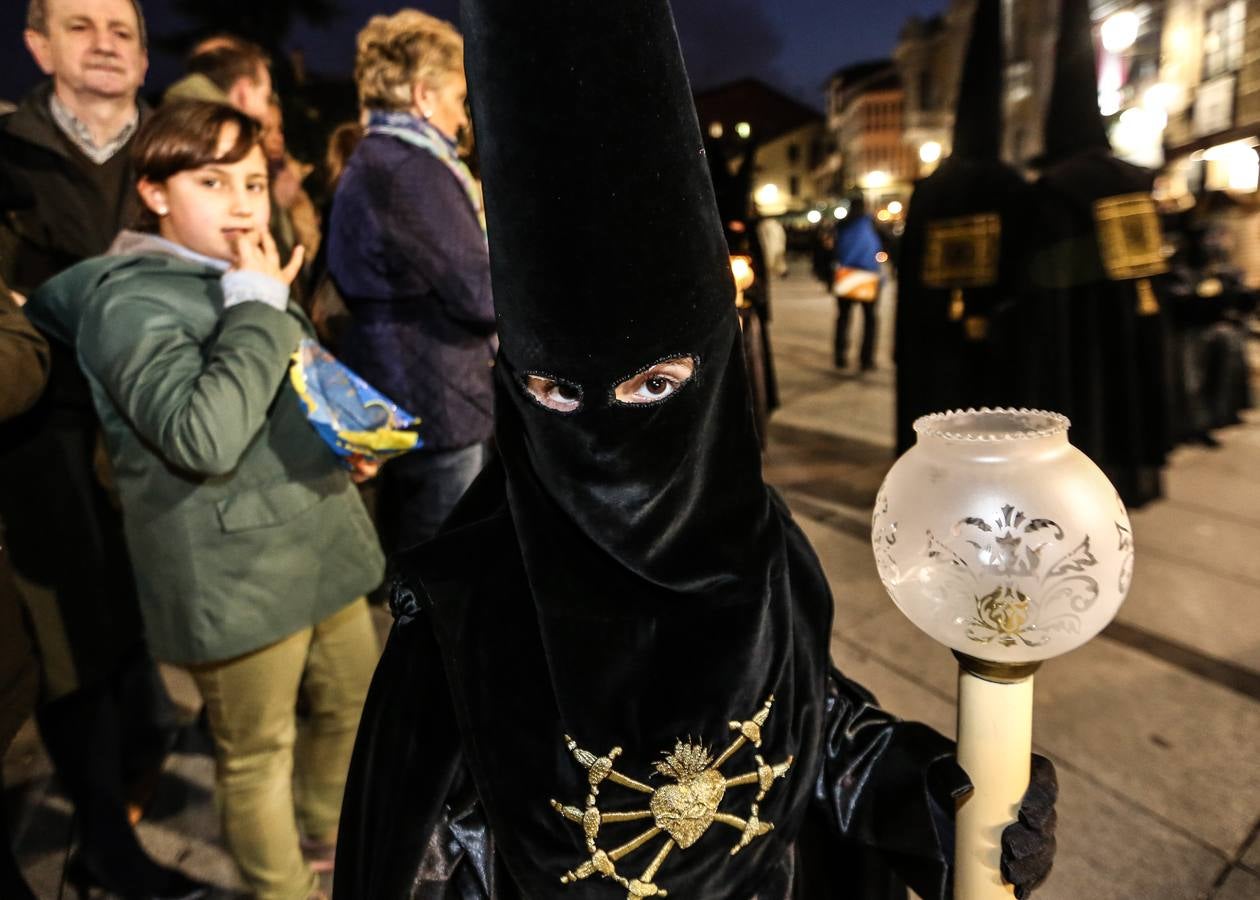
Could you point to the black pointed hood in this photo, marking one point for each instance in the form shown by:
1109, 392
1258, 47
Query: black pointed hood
612, 152
607, 256
978, 115
1073, 122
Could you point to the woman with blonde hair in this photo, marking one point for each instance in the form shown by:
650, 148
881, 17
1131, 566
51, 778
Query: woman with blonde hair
407, 251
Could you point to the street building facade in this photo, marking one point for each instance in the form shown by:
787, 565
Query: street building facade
868, 151
785, 134
929, 57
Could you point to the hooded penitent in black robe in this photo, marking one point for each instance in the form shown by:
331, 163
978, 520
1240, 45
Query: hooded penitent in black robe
961, 252
1093, 327
610, 670
733, 194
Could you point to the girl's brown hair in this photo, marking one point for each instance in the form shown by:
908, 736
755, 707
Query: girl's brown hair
184, 135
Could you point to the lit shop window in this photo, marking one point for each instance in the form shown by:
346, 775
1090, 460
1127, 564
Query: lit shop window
1223, 36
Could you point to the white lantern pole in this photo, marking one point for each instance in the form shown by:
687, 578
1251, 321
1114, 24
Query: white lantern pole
995, 706
1004, 542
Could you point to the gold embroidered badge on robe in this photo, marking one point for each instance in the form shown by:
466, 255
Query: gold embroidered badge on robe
963, 252
681, 811
1129, 239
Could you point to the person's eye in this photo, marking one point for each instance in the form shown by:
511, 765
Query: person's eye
258, 187
553, 394
657, 383
209, 182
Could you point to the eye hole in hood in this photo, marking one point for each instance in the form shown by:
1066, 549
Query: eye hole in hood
552, 393
655, 383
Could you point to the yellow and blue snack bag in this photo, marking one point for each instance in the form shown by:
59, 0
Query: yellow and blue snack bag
357, 421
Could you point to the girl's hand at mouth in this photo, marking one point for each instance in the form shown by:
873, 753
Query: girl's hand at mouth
256, 252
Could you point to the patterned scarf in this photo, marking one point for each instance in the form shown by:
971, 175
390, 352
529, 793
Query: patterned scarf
420, 133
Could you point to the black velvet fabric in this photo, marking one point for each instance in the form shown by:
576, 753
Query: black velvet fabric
1073, 122
465, 692
978, 116
940, 365
620, 574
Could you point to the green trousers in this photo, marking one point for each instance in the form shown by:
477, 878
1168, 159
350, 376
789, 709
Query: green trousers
273, 777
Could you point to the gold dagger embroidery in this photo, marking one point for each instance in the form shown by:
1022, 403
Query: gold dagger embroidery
681, 811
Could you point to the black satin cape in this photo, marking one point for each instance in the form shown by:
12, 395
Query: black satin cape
621, 575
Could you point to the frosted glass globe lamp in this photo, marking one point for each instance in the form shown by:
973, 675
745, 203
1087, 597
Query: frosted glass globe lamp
1005, 543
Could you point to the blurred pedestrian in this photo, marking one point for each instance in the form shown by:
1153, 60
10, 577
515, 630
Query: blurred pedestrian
249, 541
227, 69
105, 718
300, 219
24, 359
774, 246
407, 251
856, 281
341, 146
1210, 305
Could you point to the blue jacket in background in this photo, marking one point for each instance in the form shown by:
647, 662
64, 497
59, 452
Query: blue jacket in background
406, 251
857, 242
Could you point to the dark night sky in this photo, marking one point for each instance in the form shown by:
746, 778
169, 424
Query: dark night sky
793, 44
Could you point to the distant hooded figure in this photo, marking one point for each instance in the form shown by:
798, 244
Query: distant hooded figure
1092, 326
733, 193
961, 254
609, 675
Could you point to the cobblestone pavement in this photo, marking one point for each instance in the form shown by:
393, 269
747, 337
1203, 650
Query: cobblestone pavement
1154, 726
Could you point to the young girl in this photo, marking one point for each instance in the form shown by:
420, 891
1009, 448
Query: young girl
251, 547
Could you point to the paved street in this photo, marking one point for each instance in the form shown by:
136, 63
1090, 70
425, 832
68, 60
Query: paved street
1154, 726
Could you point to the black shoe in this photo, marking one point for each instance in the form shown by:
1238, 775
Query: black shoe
157, 883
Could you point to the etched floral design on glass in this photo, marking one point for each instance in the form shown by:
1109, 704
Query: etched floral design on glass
1025, 581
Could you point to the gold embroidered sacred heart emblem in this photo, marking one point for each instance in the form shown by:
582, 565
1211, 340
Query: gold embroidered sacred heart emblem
683, 810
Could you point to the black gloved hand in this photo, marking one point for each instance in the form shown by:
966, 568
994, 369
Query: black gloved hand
1028, 844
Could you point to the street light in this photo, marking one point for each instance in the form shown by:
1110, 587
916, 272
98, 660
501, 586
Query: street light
1235, 166
813, 216
929, 152
840, 212
876, 179
1119, 31
743, 129
1008, 545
